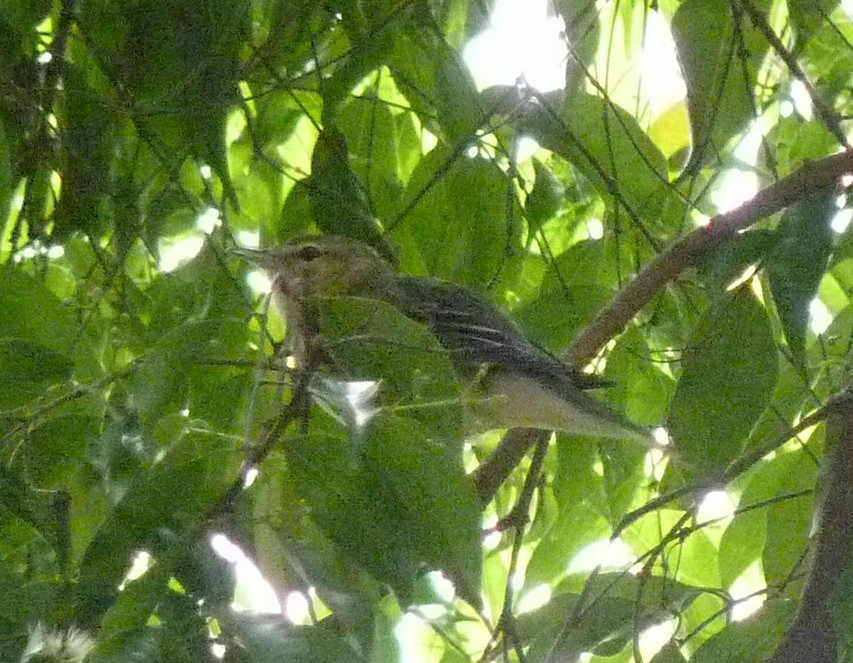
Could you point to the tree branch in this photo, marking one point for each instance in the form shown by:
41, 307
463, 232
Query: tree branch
812, 637
686, 252
666, 267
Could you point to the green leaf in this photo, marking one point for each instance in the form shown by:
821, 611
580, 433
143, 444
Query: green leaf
749, 641
368, 51
15, 498
393, 499
378, 151
607, 145
159, 385
729, 261
789, 521
457, 228
433, 76
574, 528
729, 370
434, 503
719, 67
605, 611
279, 112
160, 508
743, 541
338, 204
797, 265
554, 317
27, 370
583, 32
7, 180
31, 313
24, 16
87, 183
371, 340
544, 199
57, 448
349, 507
807, 16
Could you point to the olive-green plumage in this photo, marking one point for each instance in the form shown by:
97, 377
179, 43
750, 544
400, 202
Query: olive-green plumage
519, 383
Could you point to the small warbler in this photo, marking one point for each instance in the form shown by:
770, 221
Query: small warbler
518, 384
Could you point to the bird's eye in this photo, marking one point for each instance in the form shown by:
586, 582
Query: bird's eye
309, 252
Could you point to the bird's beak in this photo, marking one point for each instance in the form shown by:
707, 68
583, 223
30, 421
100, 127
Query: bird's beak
258, 257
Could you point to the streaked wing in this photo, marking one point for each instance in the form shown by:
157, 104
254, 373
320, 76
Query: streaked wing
477, 332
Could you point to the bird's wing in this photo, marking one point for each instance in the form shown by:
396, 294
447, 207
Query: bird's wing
477, 332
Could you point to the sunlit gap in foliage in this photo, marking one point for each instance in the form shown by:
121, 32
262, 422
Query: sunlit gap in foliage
417, 641
716, 512
820, 315
140, 563
175, 251
256, 279
656, 637
844, 214
595, 228
522, 42
739, 185
258, 282
660, 75
417, 638
534, 598
748, 592
251, 590
297, 608
798, 101
251, 474
716, 509
36, 248
604, 555
655, 462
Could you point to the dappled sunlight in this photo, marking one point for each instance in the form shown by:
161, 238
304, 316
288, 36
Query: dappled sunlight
523, 42
512, 216
176, 252
258, 282
734, 188
841, 220
140, 564
297, 608
208, 220
534, 598
252, 591
820, 316
655, 638
748, 593
604, 554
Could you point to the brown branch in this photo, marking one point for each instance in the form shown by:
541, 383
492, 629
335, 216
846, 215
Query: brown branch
685, 253
812, 637
679, 257
497, 467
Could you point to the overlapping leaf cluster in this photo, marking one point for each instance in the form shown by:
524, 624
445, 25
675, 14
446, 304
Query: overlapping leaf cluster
132, 390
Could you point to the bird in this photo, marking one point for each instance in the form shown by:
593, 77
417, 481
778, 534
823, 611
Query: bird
518, 383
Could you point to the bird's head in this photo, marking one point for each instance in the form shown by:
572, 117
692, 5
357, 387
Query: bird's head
323, 266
